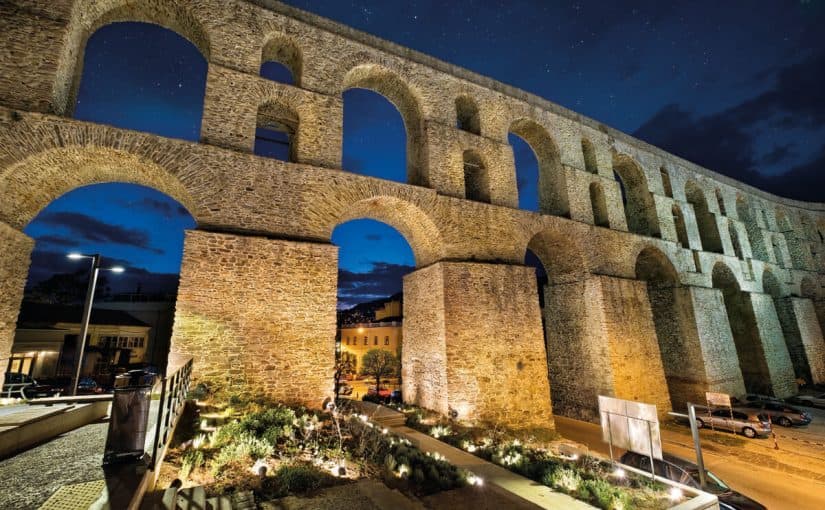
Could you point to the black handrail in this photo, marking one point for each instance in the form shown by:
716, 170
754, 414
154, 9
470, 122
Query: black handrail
173, 391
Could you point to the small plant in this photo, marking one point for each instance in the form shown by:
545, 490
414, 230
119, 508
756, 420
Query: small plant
604, 495
245, 447
440, 431
296, 478
191, 460
564, 479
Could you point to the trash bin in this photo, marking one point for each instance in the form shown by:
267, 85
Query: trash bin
129, 417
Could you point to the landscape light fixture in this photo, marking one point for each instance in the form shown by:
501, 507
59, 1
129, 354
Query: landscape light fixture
87, 309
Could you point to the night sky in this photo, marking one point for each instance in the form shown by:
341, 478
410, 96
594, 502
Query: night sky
731, 86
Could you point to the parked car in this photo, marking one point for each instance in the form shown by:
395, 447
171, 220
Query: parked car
383, 392
780, 413
88, 386
753, 397
748, 422
808, 400
23, 386
345, 389
687, 473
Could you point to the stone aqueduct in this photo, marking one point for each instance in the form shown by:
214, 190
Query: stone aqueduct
697, 283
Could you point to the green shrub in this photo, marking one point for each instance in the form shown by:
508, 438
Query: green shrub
296, 478
244, 447
191, 460
604, 495
564, 479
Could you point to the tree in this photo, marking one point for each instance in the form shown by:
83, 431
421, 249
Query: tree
378, 363
343, 367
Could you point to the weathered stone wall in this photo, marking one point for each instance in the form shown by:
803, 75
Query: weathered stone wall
43, 154
631, 335
14, 267
424, 351
778, 361
803, 338
258, 316
496, 362
713, 332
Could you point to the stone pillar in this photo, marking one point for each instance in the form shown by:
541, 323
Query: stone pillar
258, 316
473, 344
705, 322
803, 337
14, 268
601, 340
777, 359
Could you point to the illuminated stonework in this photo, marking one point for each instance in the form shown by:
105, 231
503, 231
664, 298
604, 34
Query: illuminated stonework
639, 296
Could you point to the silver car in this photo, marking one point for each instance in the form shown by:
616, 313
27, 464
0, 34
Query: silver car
749, 423
779, 412
809, 400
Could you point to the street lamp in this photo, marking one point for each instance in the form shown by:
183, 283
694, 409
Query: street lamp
87, 309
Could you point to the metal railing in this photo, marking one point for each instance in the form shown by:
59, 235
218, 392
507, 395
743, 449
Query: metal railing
173, 391
11, 388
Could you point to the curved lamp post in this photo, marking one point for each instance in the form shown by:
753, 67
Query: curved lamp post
87, 309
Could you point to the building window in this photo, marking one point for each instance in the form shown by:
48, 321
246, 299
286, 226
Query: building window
375, 341
347, 340
386, 340
366, 340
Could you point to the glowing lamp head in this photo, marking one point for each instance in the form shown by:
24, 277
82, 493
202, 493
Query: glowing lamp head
75, 256
117, 269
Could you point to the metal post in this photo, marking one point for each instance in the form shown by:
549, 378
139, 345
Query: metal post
158, 423
84, 325
694, 431
610, 437
650, 445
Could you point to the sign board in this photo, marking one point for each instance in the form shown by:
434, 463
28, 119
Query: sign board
717, 399
630, 425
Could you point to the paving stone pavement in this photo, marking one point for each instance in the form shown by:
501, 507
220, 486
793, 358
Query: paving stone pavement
31, 477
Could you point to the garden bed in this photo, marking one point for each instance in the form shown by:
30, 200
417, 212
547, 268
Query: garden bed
544, 458
276, 451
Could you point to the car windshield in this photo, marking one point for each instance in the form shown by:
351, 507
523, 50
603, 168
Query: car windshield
712, 483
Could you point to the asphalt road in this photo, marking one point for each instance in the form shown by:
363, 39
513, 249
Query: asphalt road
772, 488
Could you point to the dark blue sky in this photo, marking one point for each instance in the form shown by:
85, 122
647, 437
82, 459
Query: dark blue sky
725, 84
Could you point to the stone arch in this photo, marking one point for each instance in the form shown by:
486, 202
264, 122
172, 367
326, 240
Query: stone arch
385, 82
754, 232
639, 207
561, 255
277, 123
467, 116
476, 177
681, 357
90, 15
420, 232
589, 154
734, 239
552, 187
746, 336
776, 246
771, 285
783, 224
599, 205
666, 185
31, 184
282, 49
720, 202
681, 228
807, 288
705, 220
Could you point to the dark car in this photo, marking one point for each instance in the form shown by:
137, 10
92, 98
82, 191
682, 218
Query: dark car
88, 386
808, 400
780, 413
23, 386
687, 473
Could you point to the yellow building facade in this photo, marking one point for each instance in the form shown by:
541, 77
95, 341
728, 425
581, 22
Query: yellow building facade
358, 339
